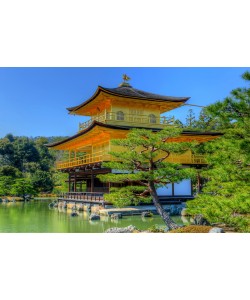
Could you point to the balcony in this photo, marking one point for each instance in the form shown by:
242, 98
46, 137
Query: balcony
120, 118
101, 156
86, 159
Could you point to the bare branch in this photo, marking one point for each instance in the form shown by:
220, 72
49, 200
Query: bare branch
163, 158
144, 193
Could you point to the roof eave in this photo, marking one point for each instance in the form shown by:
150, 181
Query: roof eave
75, 108
100, 88
96, 123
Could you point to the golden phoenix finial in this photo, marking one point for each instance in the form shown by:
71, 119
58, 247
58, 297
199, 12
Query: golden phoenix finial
125, 77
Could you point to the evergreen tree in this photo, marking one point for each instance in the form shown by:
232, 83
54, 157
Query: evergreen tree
207, 122
190, 119
22, 187
5, 185
143, 168
226, 196
27, 158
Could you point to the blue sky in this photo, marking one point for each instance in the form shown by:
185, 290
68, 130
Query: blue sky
33, 101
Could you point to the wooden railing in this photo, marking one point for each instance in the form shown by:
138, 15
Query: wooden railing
99, 156
83, 196
143, 120
199, 159
102, 156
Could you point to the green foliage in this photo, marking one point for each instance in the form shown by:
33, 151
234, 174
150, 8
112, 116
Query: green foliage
142, 165
22, 157
6, 152
128, 195
226, 195
42, 181
10, 186
5, 185
60, 186
22, 187
207, 122
155, 229
10, 171
190, 119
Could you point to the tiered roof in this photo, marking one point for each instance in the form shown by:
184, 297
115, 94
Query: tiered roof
127, 91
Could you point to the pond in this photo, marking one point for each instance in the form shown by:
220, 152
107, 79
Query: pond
36, 216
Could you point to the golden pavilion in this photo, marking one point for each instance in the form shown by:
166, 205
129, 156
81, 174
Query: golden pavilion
112, 113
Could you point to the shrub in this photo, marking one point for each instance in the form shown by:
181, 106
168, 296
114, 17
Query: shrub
192, 229
155, 229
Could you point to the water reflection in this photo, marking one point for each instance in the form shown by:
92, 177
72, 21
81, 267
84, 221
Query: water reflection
36, 216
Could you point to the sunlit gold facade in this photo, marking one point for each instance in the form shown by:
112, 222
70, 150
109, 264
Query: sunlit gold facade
111, 113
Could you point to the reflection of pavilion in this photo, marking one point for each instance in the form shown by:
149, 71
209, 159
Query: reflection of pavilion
112, 112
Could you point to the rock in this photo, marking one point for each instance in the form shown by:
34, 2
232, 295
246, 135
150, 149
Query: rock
53, 204
74, 214
147, 214
200, 220
93, 217
129, 229
116, 216
185, 220
80, 207
216, 230
175, 210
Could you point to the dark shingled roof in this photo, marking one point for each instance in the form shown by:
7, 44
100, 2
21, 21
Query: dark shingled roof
130, 92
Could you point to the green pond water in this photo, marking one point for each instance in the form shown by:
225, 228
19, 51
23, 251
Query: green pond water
36, 216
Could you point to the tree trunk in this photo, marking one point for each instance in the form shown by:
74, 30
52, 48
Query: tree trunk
161, 211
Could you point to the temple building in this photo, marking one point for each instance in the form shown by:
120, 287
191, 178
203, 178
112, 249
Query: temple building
112, 113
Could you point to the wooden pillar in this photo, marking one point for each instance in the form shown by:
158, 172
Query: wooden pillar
69, 183
92, 182
75, 182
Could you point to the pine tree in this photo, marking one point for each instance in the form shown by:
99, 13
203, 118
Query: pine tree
190, 119
226, 196
143, 168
